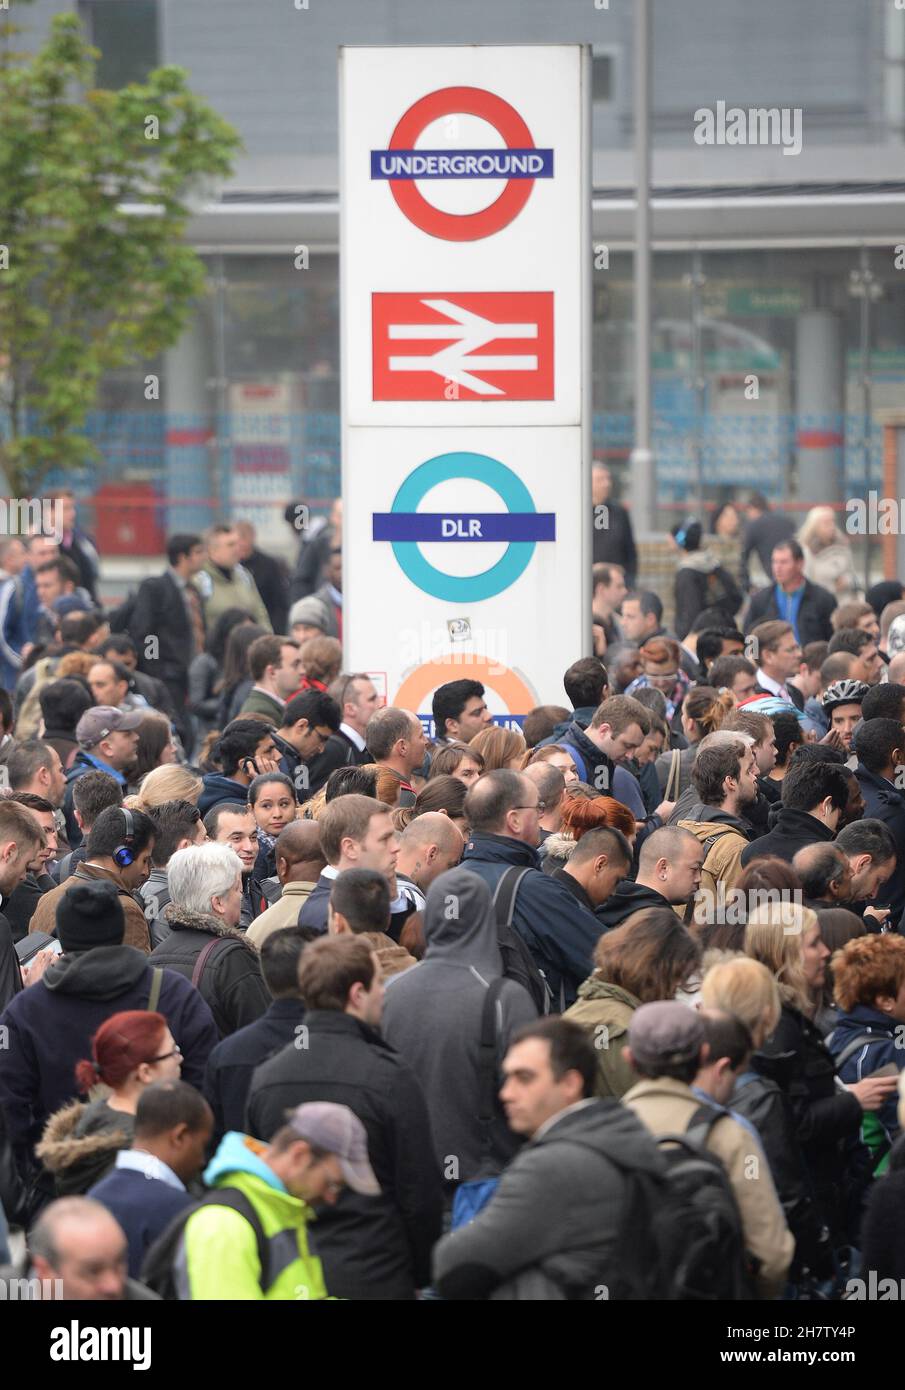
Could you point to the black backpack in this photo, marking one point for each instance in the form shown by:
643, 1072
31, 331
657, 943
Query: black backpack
698, 1227
518, 962
157, 1270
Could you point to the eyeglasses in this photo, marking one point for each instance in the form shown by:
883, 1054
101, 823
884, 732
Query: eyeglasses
539, 806
165, 1056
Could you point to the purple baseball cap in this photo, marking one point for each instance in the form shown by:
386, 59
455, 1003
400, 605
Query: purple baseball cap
99, 721
337, 1130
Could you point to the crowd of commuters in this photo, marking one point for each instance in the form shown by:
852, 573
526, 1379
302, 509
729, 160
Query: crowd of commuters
305, 996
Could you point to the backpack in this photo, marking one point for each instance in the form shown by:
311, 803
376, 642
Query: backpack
473, 1195
518, 962
157, 1266
698, 1227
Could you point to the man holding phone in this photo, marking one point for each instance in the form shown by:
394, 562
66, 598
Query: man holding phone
244, 750
21, 837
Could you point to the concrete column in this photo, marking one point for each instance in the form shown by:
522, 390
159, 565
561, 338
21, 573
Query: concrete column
819, 353
190, 427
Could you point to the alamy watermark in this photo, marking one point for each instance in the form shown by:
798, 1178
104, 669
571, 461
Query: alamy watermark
754, 125
32, 516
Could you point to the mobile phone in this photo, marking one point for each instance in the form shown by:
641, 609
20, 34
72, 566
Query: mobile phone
889, 1070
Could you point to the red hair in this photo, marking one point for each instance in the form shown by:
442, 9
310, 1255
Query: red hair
582, 814
121, 1044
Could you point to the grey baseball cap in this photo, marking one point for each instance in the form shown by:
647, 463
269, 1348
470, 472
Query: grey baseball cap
99, 721
665, 1031
337, 1130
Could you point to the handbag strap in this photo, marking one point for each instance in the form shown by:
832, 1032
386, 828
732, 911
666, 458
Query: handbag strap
675, 775
202, 960
156, 983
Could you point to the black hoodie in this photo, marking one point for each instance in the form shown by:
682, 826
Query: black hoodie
790, 833
626, 898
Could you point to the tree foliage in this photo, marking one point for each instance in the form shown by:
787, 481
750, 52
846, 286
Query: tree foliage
95, 190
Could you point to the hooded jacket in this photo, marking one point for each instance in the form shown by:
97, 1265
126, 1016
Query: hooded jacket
791, 831
217, 1257
136, 933
702, 582
723, 861
80, 1143
827, 1119
628, 897
558, 931
605, 1011
218, 788
595, 768
557, 1225
51, 1025
371, 1247
231, 983
880, 1128
432, 1015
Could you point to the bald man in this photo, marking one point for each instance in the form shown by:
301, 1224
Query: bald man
79, 1253
826, 875
299, 861
551, 787
428, 846
669, 875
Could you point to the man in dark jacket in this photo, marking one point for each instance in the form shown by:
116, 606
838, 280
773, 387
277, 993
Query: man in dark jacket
374, 1247
204, 945
614, 539
600, 859
793, 599
669, 875
108, 740
616, 731
244, 750
814, 797
587, 685
169, 608
233, 1061
434, 1016
764, 530
51, 1023
20, 840
269, 574
78, 1244
502, 810
558, 1225
880, 746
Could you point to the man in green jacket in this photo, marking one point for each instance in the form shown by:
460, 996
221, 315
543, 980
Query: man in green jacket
320, 1150
224, 583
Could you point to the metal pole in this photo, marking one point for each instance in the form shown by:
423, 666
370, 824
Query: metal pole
699, 381
642, 460
867, 286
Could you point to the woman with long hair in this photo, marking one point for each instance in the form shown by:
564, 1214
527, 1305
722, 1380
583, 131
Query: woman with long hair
500, 748
650, 957
746, 988
786, 939
703, 711
130, 1051
205, 671
172, 782
235, 681
155, 745
828, 555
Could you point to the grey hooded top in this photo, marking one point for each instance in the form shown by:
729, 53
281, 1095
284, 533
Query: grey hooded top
432, 1016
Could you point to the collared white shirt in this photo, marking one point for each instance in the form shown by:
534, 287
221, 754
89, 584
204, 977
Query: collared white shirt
353, 736
768, 683
329, 872
138, 1161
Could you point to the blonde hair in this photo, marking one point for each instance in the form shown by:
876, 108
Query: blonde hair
773, 936
744, 987
314, 807
810, 524
168, 783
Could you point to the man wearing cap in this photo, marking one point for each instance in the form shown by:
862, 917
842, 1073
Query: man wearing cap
319, 1150
667, 1050
49, 1026
108, 742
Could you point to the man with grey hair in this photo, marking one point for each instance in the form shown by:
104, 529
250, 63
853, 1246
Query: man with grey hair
76, 1251
396, 741
205, 944
669, 875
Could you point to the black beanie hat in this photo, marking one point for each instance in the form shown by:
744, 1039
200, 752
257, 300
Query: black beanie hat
90, 914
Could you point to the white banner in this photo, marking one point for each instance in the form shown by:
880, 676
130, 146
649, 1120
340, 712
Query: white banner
465, 272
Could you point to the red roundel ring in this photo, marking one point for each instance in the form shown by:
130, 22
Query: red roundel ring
451, 226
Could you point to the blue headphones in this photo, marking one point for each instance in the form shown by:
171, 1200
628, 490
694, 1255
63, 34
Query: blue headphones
122, 855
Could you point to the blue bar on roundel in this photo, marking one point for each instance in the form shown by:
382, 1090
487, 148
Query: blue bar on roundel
464, 526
